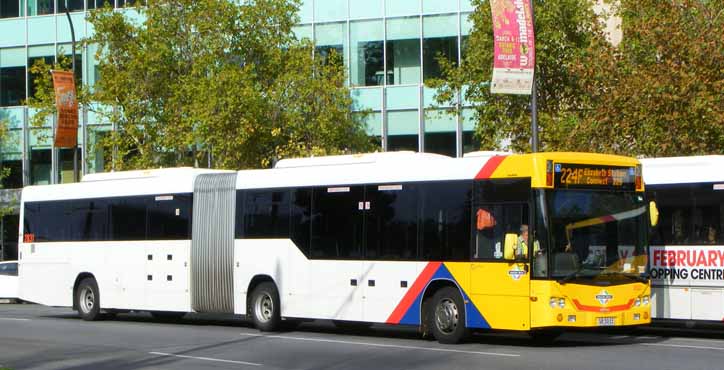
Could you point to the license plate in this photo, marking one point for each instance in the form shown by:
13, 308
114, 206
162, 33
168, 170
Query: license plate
606, 321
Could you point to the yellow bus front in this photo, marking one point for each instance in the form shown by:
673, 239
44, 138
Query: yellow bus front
578, 257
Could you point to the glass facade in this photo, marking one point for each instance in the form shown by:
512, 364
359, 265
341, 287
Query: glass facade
389, 47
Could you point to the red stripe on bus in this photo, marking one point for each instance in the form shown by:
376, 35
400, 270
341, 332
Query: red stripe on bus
413, 292
608, 218
490, 166
584, 307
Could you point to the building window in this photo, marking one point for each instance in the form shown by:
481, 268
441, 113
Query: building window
40, 161
41, 7
329, 10
13, 171
402, 129
48, 60
66, 49
66, 165
440, 40
12, 86
331, 42
440, 132
97, 4
403, 51
395, 8
367, 62
365, 9
9, 8
73, 5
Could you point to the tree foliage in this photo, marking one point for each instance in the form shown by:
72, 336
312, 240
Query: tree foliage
660, 91
657, 93
564, 29
194, 79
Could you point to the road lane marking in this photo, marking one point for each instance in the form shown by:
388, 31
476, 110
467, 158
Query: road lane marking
205, 358
13, 319
383, 345
681, 346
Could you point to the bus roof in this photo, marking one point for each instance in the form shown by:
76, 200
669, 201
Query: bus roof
673, 170
389, 167
120, 183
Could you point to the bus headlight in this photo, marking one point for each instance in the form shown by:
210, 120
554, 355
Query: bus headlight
553, 302
637, 302
561, 303
646, 300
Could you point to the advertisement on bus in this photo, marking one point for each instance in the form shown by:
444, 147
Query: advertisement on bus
687, 265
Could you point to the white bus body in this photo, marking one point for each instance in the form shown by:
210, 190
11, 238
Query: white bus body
687, 247
156, 275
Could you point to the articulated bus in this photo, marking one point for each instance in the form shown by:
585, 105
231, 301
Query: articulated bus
687, 247
523, 242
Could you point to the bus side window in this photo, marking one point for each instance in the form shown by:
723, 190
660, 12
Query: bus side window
445, 220
266, 214
489, 241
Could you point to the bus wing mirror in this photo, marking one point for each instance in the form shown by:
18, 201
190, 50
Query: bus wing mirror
511, 240
653, 213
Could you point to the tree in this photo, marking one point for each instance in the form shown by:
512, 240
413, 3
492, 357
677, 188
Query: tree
218, 78
657, 93
565, 30
660, 91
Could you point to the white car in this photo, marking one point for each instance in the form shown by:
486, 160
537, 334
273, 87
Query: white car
9, 280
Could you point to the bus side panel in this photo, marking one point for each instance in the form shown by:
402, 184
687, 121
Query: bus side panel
44, 274
121, 269
387, 285
669, 302
169, 268
320, 289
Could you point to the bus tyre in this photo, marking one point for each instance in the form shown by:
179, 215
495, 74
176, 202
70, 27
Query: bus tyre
87, 300
265, 307
447, 316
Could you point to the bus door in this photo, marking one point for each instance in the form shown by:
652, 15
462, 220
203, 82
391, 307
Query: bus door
337, 215
500, 271
391, 239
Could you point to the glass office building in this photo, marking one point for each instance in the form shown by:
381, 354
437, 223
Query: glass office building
390, 47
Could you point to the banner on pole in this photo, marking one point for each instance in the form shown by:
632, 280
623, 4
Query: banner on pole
66, 102
514, 47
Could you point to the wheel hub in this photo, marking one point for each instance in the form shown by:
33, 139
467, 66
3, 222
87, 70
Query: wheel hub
264, 307
87, 299
446, 316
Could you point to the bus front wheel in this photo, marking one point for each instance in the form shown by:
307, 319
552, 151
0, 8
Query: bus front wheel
88, 300
265, 307
446, 316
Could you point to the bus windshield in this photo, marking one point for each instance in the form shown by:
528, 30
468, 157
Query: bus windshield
595, 233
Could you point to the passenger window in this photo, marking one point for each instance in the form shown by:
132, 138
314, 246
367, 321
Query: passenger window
690, 214
445, 220
336, 222
489, 237
391, 222
266, 214
301, 218
88, 220
169, 217
128, 218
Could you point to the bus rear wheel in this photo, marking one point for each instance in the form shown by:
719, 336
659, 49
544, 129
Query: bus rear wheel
87, 300
265, 307
446, 316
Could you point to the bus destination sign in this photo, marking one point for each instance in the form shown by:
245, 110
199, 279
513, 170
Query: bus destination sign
569, 175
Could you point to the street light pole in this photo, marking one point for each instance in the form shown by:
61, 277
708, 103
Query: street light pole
72, 38
533, 98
